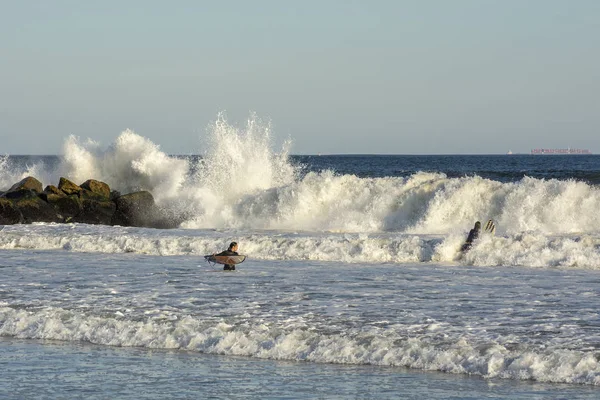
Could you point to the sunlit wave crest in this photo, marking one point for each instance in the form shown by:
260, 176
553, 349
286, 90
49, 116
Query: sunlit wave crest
241, 182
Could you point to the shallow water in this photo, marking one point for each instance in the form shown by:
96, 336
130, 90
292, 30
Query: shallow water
494, 322
35, 369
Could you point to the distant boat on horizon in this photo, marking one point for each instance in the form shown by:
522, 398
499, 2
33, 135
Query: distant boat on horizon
560, 151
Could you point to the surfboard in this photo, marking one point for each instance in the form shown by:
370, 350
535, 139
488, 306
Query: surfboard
490, 227
225, 260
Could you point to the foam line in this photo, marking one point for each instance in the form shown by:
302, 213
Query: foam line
387, 347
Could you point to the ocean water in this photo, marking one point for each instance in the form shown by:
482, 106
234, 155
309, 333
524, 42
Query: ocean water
353, 286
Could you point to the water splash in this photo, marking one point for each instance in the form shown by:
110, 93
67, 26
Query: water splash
237, 164
130, 164
11, 174
240, 182
240, 160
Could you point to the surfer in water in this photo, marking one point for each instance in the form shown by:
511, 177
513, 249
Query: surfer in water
489, 229
473, 235
231, 251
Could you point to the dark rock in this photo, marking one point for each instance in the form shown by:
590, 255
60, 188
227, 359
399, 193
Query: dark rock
93, 203
21, 194
9, 214
96, 212
51, 189
135, 209
51, 192
37, 210
114, 195
89, 195
69, 187
29, 183
66, 206
139, 209
97, 187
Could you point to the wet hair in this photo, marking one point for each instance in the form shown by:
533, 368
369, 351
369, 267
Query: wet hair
232, 245
477, 225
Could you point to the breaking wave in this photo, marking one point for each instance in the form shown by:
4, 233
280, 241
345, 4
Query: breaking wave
389, 346
240, 182
530, 249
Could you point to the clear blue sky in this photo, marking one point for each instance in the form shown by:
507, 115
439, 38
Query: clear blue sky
399, 77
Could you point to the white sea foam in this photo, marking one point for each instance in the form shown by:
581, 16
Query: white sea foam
242, 183
531, 249
385, 346
238, 164
131, 163
380, 298
10, 174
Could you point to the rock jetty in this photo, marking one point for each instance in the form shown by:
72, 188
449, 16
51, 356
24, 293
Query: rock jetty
92, 202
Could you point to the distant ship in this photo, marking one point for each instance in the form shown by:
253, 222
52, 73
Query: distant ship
560, 151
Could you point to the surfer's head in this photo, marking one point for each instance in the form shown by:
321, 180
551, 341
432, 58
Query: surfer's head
233, 246
477, 226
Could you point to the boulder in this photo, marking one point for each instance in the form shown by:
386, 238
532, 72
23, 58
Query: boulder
9, 214
89, 195
29, 183
97, 187
50, 193
93, 203
95, 212
69, 187
139, 209
135, 209
21, 194
66, 206
34, 209
51, 189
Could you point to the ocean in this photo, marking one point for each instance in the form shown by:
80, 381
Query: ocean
353, 287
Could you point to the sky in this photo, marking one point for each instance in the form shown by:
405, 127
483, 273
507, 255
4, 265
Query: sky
334, 76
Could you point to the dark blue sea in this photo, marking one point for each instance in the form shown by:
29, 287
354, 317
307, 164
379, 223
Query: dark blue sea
501, 168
